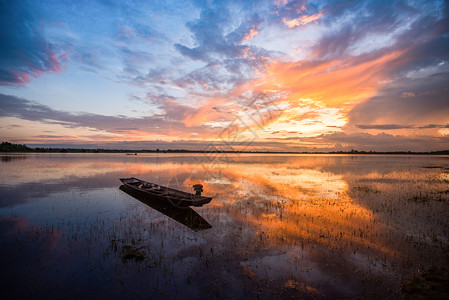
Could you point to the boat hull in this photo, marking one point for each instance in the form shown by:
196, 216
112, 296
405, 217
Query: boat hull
165, 194
184, 215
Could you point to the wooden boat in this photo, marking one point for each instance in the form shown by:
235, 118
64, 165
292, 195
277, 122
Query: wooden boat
162, 193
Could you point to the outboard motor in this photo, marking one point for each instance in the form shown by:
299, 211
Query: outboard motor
198, 189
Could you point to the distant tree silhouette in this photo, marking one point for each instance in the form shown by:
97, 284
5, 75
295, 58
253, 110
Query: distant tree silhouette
9, 147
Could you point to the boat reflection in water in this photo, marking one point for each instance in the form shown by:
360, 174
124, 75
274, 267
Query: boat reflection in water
185, 215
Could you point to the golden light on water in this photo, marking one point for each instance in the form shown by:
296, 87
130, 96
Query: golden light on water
302, 221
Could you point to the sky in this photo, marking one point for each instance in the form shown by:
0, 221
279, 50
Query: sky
273, 75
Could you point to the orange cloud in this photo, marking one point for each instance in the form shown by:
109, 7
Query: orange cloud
280, 3
206, 113
250, 35
314, 96
334, 82
302, 20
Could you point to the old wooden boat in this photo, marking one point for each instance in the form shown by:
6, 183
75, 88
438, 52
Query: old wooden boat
162, 193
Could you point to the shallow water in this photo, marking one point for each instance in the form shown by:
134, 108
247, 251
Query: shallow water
309, 226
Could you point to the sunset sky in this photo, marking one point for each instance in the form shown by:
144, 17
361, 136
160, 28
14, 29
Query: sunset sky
235, 75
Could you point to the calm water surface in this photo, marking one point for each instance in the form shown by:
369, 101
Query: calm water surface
289, 226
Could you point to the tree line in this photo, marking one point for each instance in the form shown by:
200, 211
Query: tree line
10, 147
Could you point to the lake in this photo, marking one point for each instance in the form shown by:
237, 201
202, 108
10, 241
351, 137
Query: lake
278, 226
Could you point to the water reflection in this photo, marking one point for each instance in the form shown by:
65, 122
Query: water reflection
281, 225
186, 216
8, 158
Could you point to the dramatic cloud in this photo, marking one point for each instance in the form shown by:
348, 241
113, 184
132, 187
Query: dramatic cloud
20, 108
302, 20
384, 126
430, 104
24, 50
214, 44
385, 142
285, 74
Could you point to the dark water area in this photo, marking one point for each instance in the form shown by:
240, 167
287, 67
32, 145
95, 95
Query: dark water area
278, 226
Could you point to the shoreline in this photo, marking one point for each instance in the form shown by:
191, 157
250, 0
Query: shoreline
136, 152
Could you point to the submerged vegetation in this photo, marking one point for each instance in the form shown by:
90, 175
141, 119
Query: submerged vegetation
430, 283
281, 227
129, 252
